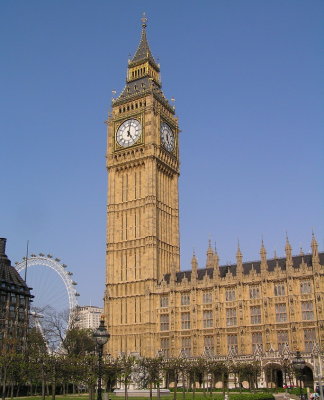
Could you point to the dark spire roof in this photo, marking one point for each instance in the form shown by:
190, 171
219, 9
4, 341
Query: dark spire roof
143, 52
10, 280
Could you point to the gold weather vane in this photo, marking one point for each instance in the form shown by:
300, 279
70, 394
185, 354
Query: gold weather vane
144, 20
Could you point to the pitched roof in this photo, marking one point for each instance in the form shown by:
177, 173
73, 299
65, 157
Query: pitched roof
10, 280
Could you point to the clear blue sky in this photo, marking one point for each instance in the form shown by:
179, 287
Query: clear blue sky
247, 79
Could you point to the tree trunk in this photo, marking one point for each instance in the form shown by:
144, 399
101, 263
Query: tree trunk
43, 389
43, 385
223, 381
4, 383
183, 386
204, 385
151, 391
126, 391
194, 386
53, 387
214, 382
175, 386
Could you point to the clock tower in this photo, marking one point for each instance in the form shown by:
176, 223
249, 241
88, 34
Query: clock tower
142, 211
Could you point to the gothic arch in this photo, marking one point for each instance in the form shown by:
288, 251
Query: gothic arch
274, 376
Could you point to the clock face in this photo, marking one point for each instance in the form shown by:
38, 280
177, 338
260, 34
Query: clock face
167, 136
129, 132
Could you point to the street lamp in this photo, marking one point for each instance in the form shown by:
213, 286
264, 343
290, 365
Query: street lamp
318, 368
101, 337
299, 364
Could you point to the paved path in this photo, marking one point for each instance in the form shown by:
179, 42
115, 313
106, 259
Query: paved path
283, 396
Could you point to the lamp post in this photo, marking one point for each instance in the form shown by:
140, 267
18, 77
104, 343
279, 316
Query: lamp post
101, 337
299, 364
318, 368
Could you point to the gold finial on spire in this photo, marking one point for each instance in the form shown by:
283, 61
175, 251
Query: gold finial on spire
144, 20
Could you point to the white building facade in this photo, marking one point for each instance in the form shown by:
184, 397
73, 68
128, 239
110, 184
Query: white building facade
88, 317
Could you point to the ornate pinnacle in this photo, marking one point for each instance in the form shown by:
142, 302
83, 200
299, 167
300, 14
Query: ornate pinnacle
144, 20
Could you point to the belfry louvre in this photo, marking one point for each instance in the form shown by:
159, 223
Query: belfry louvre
270, 306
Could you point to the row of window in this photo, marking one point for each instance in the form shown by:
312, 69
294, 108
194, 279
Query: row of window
232, 342
142, 71
132, 106
137, 73
13, 298
230, 294
231, 316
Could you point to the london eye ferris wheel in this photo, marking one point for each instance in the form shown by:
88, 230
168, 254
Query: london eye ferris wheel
53, 289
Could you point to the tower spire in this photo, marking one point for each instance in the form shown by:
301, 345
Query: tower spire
263, 255
239, 258
216, 257
314, 247
143, 74
194, 267
210, 256
143, 52
288, 251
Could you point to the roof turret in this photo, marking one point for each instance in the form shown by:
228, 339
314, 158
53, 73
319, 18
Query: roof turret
239, 255
239, 258
210, 256
314, 247
263, 252
288, 251
216, 259
263, 256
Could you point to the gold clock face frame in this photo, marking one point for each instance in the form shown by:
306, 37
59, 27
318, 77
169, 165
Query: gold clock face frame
128, 133
167, 137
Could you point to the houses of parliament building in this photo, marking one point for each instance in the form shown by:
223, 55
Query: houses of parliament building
269, 307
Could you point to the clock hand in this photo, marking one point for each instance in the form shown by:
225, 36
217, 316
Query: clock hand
128, 132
